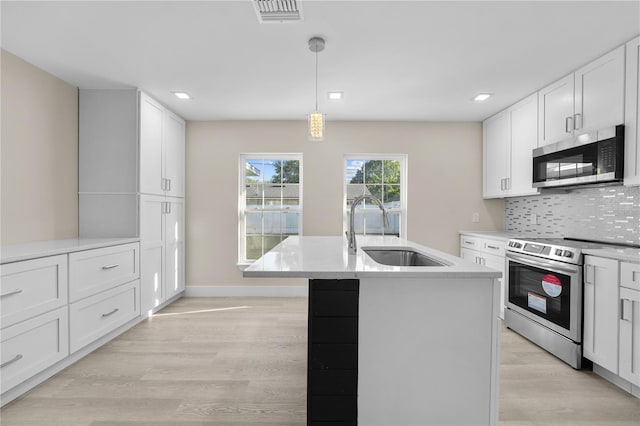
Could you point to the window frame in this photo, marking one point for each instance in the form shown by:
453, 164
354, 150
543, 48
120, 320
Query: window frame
403, 160
242, 192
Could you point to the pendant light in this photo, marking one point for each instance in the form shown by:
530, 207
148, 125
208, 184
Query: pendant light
316, 118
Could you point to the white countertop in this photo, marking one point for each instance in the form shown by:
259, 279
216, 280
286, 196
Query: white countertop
625, 254
328, 258
18, 252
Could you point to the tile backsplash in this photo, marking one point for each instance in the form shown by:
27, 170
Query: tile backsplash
609, 214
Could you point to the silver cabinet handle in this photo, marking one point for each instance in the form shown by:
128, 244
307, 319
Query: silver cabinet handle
115, 265
11, 292
633, 276
588, 268
110, 313
169, 181
11, 361
502, 185
575, 121
169, 207
469, 243
493, 247
567, 128
507, 183
162, 184
624, 311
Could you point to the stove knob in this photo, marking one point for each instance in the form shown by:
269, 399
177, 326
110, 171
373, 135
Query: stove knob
518, 245
567, 253
558, 252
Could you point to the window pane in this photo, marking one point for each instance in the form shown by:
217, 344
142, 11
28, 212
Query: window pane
253, 247
291, 171
391, 196
358, 222
394, 224
253, 171
376, 191
353, 191
272, 195
253, 196
373, 222
290, 223
291, 195
271, 172
373, 171
391, 171
253, 223
354, 171
272, 224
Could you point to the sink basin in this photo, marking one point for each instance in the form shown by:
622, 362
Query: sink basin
400, 257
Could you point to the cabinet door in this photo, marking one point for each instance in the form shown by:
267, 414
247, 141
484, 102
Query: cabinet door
600, 334
496, 154
599, 95
174, 247
497, 263
555, 111
630, 335
523, 129
151, 146
632, 115
470, 255
151, 252
174, 150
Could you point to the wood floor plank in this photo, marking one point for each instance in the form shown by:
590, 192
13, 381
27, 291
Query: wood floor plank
200, 363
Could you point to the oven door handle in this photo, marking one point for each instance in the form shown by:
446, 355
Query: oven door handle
529, 261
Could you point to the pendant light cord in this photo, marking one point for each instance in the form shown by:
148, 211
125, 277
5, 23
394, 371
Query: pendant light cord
316, 49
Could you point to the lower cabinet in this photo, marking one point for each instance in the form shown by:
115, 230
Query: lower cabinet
54, 306
486, 252
600, 329
162, 249
332, 376
629, 357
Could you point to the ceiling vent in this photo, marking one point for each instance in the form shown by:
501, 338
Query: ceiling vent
278, 10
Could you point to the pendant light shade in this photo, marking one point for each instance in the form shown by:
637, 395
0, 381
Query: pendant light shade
316, 118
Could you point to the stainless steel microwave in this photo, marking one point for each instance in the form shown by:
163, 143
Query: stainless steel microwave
594, 157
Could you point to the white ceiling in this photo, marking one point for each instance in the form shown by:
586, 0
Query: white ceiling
394, 60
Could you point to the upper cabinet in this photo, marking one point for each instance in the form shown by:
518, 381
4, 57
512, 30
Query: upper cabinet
162, 146
632, 115
508, 139
589, 99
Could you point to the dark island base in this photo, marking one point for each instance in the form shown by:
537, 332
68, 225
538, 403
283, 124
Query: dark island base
332, 356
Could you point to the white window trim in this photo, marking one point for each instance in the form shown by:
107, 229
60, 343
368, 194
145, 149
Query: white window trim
242, 262
403, 159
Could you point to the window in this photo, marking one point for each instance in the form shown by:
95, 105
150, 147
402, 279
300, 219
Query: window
383, 176
270, 202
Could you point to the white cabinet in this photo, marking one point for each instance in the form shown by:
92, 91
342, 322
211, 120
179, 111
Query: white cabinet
629, 357
589, 99
487, 252
162, 236
509, 138
632, 114
162, 147
152, 199
600, 331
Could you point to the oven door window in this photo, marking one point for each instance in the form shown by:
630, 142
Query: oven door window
543, 293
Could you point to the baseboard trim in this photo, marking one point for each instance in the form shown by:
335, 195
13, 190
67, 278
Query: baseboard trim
246, 291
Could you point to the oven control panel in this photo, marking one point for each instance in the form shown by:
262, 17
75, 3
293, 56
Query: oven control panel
545, 249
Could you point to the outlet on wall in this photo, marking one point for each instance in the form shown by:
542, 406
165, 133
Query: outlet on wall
534, 218
475, 217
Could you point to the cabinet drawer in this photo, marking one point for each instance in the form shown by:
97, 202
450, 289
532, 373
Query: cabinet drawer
630, 275
473, 243
93, 271
32, 287
494, 247
33, 345
97, 315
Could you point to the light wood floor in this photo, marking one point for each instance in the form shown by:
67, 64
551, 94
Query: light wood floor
197, 364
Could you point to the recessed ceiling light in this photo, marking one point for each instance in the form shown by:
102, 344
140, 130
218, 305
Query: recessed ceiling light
182, 95
335, 96
482, 97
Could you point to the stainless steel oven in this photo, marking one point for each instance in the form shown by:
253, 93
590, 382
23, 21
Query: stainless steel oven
543, 295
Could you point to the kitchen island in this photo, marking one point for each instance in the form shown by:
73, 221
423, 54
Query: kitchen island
394, 345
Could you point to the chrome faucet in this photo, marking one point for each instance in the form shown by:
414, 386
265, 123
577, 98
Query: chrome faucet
351, 234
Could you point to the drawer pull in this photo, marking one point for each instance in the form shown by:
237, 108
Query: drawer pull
11, 292
469, 243
115, 265
11, 361
493, 247
110, 313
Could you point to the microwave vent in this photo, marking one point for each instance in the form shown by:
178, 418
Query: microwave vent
278, 10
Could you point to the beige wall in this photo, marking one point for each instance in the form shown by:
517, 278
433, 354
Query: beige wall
39, 154
444, 185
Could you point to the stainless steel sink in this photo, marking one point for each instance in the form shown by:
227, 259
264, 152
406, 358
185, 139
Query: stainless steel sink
400, 257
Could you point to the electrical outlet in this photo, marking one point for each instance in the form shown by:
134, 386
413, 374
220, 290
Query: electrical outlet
534, 218
475, 217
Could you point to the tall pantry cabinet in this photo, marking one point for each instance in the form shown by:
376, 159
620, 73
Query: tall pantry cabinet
131, 183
